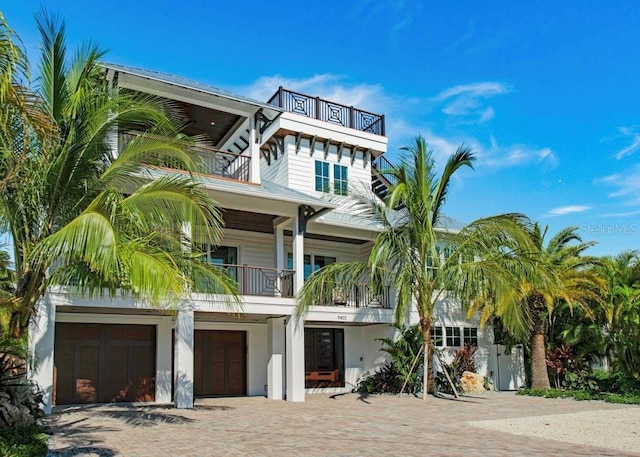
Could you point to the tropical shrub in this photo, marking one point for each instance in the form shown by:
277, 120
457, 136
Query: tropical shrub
20, 399
559, 361
23, 441
463, 360
386, 380
580, 380
405, 365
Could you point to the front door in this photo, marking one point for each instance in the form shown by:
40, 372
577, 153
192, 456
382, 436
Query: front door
220, 363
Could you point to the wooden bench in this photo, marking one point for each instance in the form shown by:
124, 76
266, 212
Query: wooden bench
322, 376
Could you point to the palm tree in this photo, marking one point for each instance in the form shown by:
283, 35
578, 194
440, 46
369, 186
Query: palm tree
563, 275
408, 254
77, 212
622, 310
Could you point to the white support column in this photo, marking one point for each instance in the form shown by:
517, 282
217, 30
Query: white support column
280, 258
41, 342
275, 367
295, 358
163, 361
298, 251
295, 325
254, 150
184, 336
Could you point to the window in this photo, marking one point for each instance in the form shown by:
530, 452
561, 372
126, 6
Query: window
319, 261
453, 337
340, 180
470, 335
222, 256
436, 336
322, 176
324, 357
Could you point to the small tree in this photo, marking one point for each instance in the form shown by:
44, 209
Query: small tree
408, 254
562, 274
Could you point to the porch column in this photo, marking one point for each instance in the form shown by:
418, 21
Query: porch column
300, 227
41, 342
295, 358
295, 325
278, 229
163, 361
254, 150
183, 363
275, 367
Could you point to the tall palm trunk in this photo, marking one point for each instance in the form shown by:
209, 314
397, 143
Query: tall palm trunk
427, 378
30, 288
539, 373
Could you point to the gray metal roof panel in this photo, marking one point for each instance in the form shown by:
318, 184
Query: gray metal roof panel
188, 84
266, 189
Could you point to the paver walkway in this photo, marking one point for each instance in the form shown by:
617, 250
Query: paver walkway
343, 425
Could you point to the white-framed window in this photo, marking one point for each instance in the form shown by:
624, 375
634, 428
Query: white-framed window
312, 262
437, 336
470, 335
322, 177
453, 336
340, 180
324, 174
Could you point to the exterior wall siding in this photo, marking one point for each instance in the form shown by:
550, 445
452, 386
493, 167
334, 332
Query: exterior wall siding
276, 172
302, 165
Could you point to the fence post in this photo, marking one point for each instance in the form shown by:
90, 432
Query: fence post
318, 109
245, 279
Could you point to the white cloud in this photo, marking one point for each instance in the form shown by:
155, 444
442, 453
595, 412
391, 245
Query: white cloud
631, 148
467, 100
369, 97
627, 184
515, 155
487, 115
622, 214
481, 89
564, 210
406, 117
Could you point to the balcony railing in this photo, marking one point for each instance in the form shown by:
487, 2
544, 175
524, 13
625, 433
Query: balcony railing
262, 281
328, 111
215, 162
278, 282
357, 296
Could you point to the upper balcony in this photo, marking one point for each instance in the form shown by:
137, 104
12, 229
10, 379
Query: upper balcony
214, 162
328, 111
278, 282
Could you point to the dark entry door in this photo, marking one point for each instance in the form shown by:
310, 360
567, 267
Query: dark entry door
100, 363
220, 362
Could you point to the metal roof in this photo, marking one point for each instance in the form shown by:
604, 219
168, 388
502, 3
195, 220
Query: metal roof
188, 84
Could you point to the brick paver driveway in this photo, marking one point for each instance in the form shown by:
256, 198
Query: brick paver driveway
323, 425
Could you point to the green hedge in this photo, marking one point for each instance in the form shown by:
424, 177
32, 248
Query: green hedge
23, 441
629, 398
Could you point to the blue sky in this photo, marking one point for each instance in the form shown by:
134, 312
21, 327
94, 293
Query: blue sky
546, 92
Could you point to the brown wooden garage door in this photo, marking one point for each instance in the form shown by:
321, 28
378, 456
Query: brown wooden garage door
220, 362
99, 363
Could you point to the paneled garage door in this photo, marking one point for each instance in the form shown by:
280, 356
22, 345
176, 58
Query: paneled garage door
220, 363
99, 363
